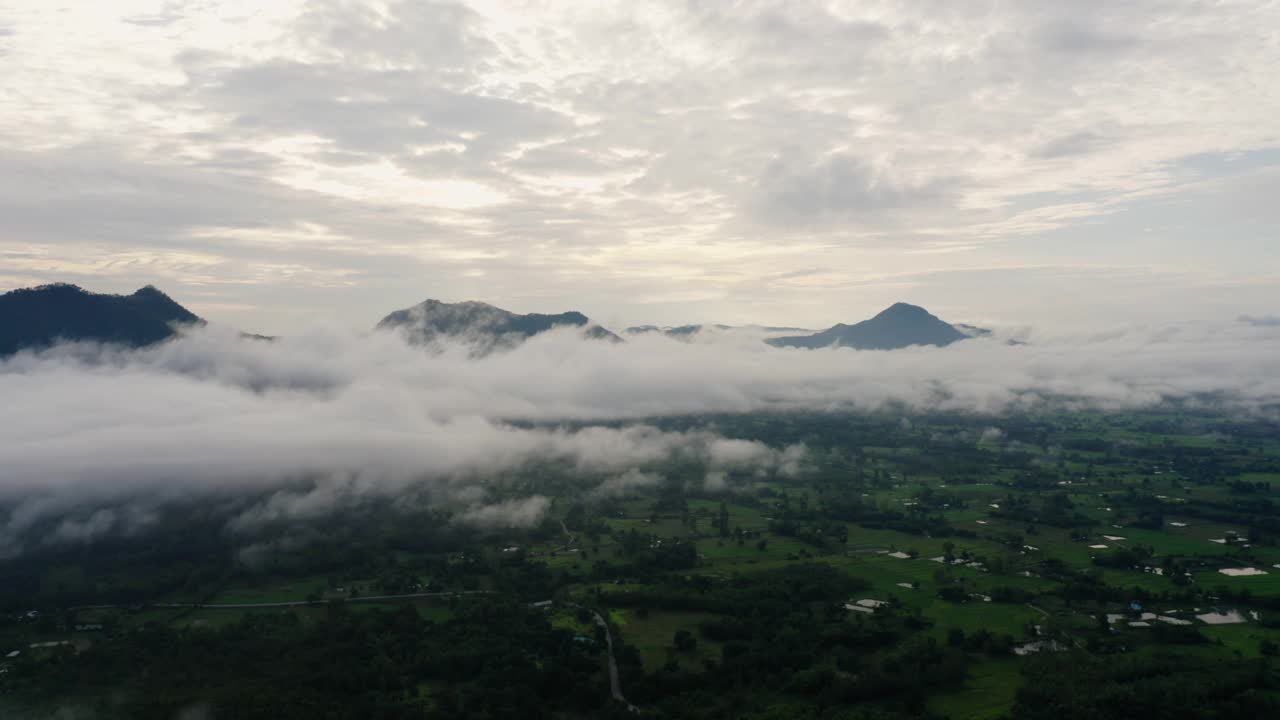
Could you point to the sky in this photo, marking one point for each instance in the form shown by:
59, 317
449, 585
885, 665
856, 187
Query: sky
270, 164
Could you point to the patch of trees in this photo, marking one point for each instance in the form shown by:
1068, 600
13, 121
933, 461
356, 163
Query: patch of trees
1120, 687
1126, 558
851, 507
1053, 508
807, 665
494, 659
772, 593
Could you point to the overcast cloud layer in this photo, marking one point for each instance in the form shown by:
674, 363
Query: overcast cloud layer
798, 163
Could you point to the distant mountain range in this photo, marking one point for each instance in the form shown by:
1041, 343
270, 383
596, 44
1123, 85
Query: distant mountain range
899, 326
40, 316
484, 326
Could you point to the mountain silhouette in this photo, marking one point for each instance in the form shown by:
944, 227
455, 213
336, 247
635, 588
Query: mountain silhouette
33, 318
899, 326
482, 325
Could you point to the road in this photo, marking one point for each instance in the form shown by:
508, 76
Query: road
572, 538
615, 682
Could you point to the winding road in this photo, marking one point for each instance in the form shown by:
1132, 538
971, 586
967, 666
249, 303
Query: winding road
615, 682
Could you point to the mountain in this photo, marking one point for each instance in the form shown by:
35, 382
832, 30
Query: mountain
39, 316
481, 324
899, 326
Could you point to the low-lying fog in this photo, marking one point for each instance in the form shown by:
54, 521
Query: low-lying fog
367, 414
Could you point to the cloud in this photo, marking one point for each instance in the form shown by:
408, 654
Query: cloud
257, 555
96, 525
1073, 144
992, 434
1261, 320
523, 513
844, 188
443, 36
325, 419
385, 111
296, 429
1075, 37
626, 483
